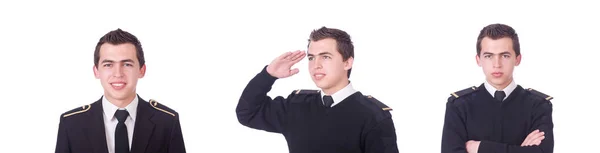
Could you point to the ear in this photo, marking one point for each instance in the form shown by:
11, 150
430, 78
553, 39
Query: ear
96, 74
348, 63
477, 59
143, 71
518, 60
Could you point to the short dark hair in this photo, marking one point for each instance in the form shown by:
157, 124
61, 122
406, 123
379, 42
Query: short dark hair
498, 31
342, 39
117, 37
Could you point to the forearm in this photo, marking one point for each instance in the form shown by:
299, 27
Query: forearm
496, 147
256, 109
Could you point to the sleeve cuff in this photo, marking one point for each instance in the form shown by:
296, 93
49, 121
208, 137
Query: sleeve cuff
266, 76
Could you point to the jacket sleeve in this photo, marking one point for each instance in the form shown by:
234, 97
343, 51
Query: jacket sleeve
257, 110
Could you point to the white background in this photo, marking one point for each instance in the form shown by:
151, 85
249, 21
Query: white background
409, 55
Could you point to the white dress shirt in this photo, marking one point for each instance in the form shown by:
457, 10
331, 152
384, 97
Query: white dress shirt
110, 121
341, 94
509, 89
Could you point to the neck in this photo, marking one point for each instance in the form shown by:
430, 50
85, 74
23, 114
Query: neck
336, 88
121, 103
501, 86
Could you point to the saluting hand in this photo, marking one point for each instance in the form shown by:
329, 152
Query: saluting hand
281, 66
534, 138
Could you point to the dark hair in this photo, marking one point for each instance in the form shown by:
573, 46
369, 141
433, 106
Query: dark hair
498, 31
342, 39
117, 37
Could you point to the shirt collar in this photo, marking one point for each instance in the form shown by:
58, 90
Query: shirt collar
110, 109
341, 94
509, 89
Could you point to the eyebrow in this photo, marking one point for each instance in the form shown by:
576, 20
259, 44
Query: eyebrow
322, 53
502, 53
122, 61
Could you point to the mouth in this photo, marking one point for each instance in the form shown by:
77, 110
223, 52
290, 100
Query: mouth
497, 74
118, 85
319, 76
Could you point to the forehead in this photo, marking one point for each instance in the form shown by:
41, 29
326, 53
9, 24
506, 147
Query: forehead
117, 52
497, 46
323, 45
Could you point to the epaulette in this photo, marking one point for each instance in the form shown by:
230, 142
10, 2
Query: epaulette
462, 92
378, 103
156, 106
537, 93
306, 91
78, 110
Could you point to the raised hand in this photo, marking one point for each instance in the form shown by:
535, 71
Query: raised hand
281, 66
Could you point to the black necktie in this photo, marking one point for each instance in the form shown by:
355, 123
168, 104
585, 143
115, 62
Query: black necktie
327, 101
121, 139
499, 95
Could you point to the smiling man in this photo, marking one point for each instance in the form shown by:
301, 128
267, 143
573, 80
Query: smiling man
499, 116
335, 119
120, 121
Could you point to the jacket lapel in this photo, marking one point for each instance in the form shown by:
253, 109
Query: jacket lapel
95, 131
144, 127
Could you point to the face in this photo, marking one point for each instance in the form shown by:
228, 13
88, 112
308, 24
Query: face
119, 70
326, 65
498, 60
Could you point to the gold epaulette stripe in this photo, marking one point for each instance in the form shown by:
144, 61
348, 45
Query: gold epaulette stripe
547, 98
454, 94
153, 103
81, 111
387, 109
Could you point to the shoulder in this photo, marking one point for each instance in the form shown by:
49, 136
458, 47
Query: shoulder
77, 111
538, 94
461, 94
306, 92
377, 109
303, 95
163, 109
539, 99
377, 103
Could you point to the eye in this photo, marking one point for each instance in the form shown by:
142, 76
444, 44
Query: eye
128, 64
506, 56
326, 57
107, 65
310, 58
487, 56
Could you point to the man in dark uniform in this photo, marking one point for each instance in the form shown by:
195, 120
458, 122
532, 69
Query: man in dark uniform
498, 116
120, 121
336, 118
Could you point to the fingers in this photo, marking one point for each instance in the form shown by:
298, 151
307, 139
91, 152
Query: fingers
537, 141
298, 56
533, 137
285, 55
294, 71
527, 140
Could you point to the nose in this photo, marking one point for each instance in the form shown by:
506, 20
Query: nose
118, 71
318, 64
497, 63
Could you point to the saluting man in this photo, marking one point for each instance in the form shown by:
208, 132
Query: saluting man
335, 119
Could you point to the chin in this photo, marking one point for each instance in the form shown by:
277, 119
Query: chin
498, 81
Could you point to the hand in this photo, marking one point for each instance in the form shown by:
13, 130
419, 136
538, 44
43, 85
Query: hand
281, 66
472, 146
534, 138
